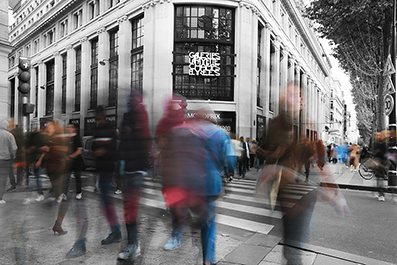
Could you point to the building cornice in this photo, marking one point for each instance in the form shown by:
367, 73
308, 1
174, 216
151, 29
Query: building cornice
315, 48
46, 21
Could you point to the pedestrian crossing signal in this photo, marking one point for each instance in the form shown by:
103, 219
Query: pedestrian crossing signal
24, 75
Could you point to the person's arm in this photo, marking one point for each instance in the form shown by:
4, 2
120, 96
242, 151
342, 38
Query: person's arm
75, 154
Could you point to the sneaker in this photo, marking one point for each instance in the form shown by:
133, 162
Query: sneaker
173, 242
130, 253
2, 201
26, 201
62, 197
381, 198
79, 196
40, 198
111, 238
118, 192
12, 188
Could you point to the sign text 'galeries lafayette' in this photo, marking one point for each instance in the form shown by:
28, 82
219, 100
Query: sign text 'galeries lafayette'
204, 63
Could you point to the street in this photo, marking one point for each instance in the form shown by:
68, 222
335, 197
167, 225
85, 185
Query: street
369, 230
28, 239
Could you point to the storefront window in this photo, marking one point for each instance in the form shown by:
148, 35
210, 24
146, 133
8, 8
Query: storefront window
204, 53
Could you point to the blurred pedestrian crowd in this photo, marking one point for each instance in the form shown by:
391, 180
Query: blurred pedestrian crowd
195, 160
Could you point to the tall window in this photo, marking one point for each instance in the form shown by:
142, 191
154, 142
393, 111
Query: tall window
49, 101
113, 67
78, 19
272, 74
64, 75
259, 67
93, 9
203, 66
137, 54
94, 74
113, 2
77, 81
63, 28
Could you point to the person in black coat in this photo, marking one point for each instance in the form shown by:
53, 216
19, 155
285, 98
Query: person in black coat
104, 146
135, 141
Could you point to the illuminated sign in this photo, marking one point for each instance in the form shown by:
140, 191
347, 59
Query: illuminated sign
204, 63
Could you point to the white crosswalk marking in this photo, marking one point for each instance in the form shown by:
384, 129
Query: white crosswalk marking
238, 207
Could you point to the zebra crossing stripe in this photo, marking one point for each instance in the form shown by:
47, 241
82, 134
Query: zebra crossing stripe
243, 224
245, 190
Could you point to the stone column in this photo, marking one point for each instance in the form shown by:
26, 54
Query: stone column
85, 79
124, 77
41, 95
158, 47
266, 72
283, 75
70, 80
103, 70
57, 86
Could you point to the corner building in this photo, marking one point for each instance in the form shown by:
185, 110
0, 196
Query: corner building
235, 56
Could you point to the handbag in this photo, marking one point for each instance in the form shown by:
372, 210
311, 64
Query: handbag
268, 184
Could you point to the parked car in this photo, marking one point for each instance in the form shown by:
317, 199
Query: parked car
86, 152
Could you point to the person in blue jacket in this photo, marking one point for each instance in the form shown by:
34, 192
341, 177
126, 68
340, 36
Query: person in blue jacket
197, 153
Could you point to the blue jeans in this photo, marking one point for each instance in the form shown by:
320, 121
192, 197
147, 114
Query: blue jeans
208, 231
36, 172
108, 208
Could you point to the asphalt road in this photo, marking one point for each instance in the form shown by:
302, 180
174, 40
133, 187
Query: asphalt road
369, 231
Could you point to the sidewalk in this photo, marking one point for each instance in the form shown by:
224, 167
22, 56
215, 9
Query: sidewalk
311, 255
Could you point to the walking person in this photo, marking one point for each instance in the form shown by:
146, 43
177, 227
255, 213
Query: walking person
242, 163
134, 150
34, 152
8, 150
19, 161
253, 148
104, 146
58, 169
76, 161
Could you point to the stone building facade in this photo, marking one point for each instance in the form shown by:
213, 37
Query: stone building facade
235, 56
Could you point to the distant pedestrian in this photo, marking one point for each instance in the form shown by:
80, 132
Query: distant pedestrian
104, 146
34, 158
19, 161
8, 150
58, 167
76, 161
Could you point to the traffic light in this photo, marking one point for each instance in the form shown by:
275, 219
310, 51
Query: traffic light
27, 108
24, 75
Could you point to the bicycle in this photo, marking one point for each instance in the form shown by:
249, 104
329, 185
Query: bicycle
371, 167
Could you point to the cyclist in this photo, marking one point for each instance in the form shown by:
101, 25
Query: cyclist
379, 151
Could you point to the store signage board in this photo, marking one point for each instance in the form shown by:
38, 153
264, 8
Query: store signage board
204, 63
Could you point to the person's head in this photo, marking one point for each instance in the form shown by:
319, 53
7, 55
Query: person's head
241, 138
205, 114
290, 99
11, 124
71, 128
100, 115
53, 127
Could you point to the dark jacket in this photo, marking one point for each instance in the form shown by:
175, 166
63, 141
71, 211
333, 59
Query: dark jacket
105, 137
135, 140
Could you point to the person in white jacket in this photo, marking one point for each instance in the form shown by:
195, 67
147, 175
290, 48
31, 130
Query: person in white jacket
8, 150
